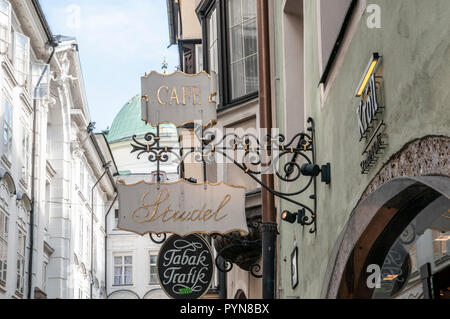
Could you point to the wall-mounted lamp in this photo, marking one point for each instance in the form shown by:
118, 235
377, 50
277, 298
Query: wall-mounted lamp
314, 170
299, 217
371, 69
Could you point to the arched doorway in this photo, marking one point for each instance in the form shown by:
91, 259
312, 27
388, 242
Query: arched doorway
396, 243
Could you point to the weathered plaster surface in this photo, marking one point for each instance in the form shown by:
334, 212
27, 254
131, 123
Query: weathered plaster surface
415, 46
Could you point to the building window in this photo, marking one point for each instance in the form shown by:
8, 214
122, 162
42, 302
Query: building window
94, 252
26, 156
22, 59
153, 269
44, 276
213, 58
440, 240
20, 262
5, 26
243, 48
82, 176
231, 38
123, 270
8, 129
334, 25
3, 247
116, 218
81, 237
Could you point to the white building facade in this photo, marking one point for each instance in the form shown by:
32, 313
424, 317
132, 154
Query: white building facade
131, 267
52, 230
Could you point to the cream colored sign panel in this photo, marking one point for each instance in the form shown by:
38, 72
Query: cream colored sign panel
178, 98
181, 208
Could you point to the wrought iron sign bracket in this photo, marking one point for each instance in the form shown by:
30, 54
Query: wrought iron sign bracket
301, 148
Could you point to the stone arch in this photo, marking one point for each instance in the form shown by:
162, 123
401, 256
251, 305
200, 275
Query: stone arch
24, 200
156, 293
8, 181
123, 294
425, 176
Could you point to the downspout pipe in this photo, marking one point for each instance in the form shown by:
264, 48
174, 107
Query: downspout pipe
106, 169
269, 225
106, 243
53, 45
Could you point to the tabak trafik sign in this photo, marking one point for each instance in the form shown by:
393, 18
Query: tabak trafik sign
185, 267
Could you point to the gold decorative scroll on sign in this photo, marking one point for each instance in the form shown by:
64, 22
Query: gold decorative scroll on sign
178, 98
181, 208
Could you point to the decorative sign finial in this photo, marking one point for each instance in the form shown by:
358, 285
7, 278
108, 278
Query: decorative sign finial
164, 66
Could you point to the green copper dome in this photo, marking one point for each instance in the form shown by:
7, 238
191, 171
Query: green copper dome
129, 123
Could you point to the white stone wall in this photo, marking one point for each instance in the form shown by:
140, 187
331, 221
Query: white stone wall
62, 142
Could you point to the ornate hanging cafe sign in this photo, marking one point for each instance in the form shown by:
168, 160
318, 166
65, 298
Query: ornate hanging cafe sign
181, 208
185, 267
178, 98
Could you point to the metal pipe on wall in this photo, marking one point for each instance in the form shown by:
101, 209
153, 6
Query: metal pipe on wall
269, 227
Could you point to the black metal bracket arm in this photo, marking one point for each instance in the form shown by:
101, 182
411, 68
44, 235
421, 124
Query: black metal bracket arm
301, 167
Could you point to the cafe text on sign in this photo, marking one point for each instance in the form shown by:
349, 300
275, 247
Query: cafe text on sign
178, 98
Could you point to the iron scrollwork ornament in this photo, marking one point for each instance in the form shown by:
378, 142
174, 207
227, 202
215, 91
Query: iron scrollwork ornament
290, 161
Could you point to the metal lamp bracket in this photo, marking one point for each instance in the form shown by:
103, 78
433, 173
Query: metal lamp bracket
301, 146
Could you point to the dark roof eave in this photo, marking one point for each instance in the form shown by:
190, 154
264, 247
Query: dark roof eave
43, 20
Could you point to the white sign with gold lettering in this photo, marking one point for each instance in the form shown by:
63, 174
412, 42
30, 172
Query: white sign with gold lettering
178, 98
181, 208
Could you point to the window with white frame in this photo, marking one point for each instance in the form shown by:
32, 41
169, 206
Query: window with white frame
231, 39
123, 270
21, 242
153, 269
116, 218
7, 129
213, 57
82, 181
26, 155
3, 247
94, 245
81, 237
44, 275
5, 26
22, 59
87, 251
40, 81
243, 48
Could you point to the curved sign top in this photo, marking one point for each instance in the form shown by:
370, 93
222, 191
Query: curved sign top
178, 98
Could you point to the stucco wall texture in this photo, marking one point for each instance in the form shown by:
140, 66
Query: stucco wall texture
415, 44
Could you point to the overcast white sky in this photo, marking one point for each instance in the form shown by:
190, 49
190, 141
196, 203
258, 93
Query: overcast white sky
119, 41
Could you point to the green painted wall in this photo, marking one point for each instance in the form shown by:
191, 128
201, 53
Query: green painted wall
415, 44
